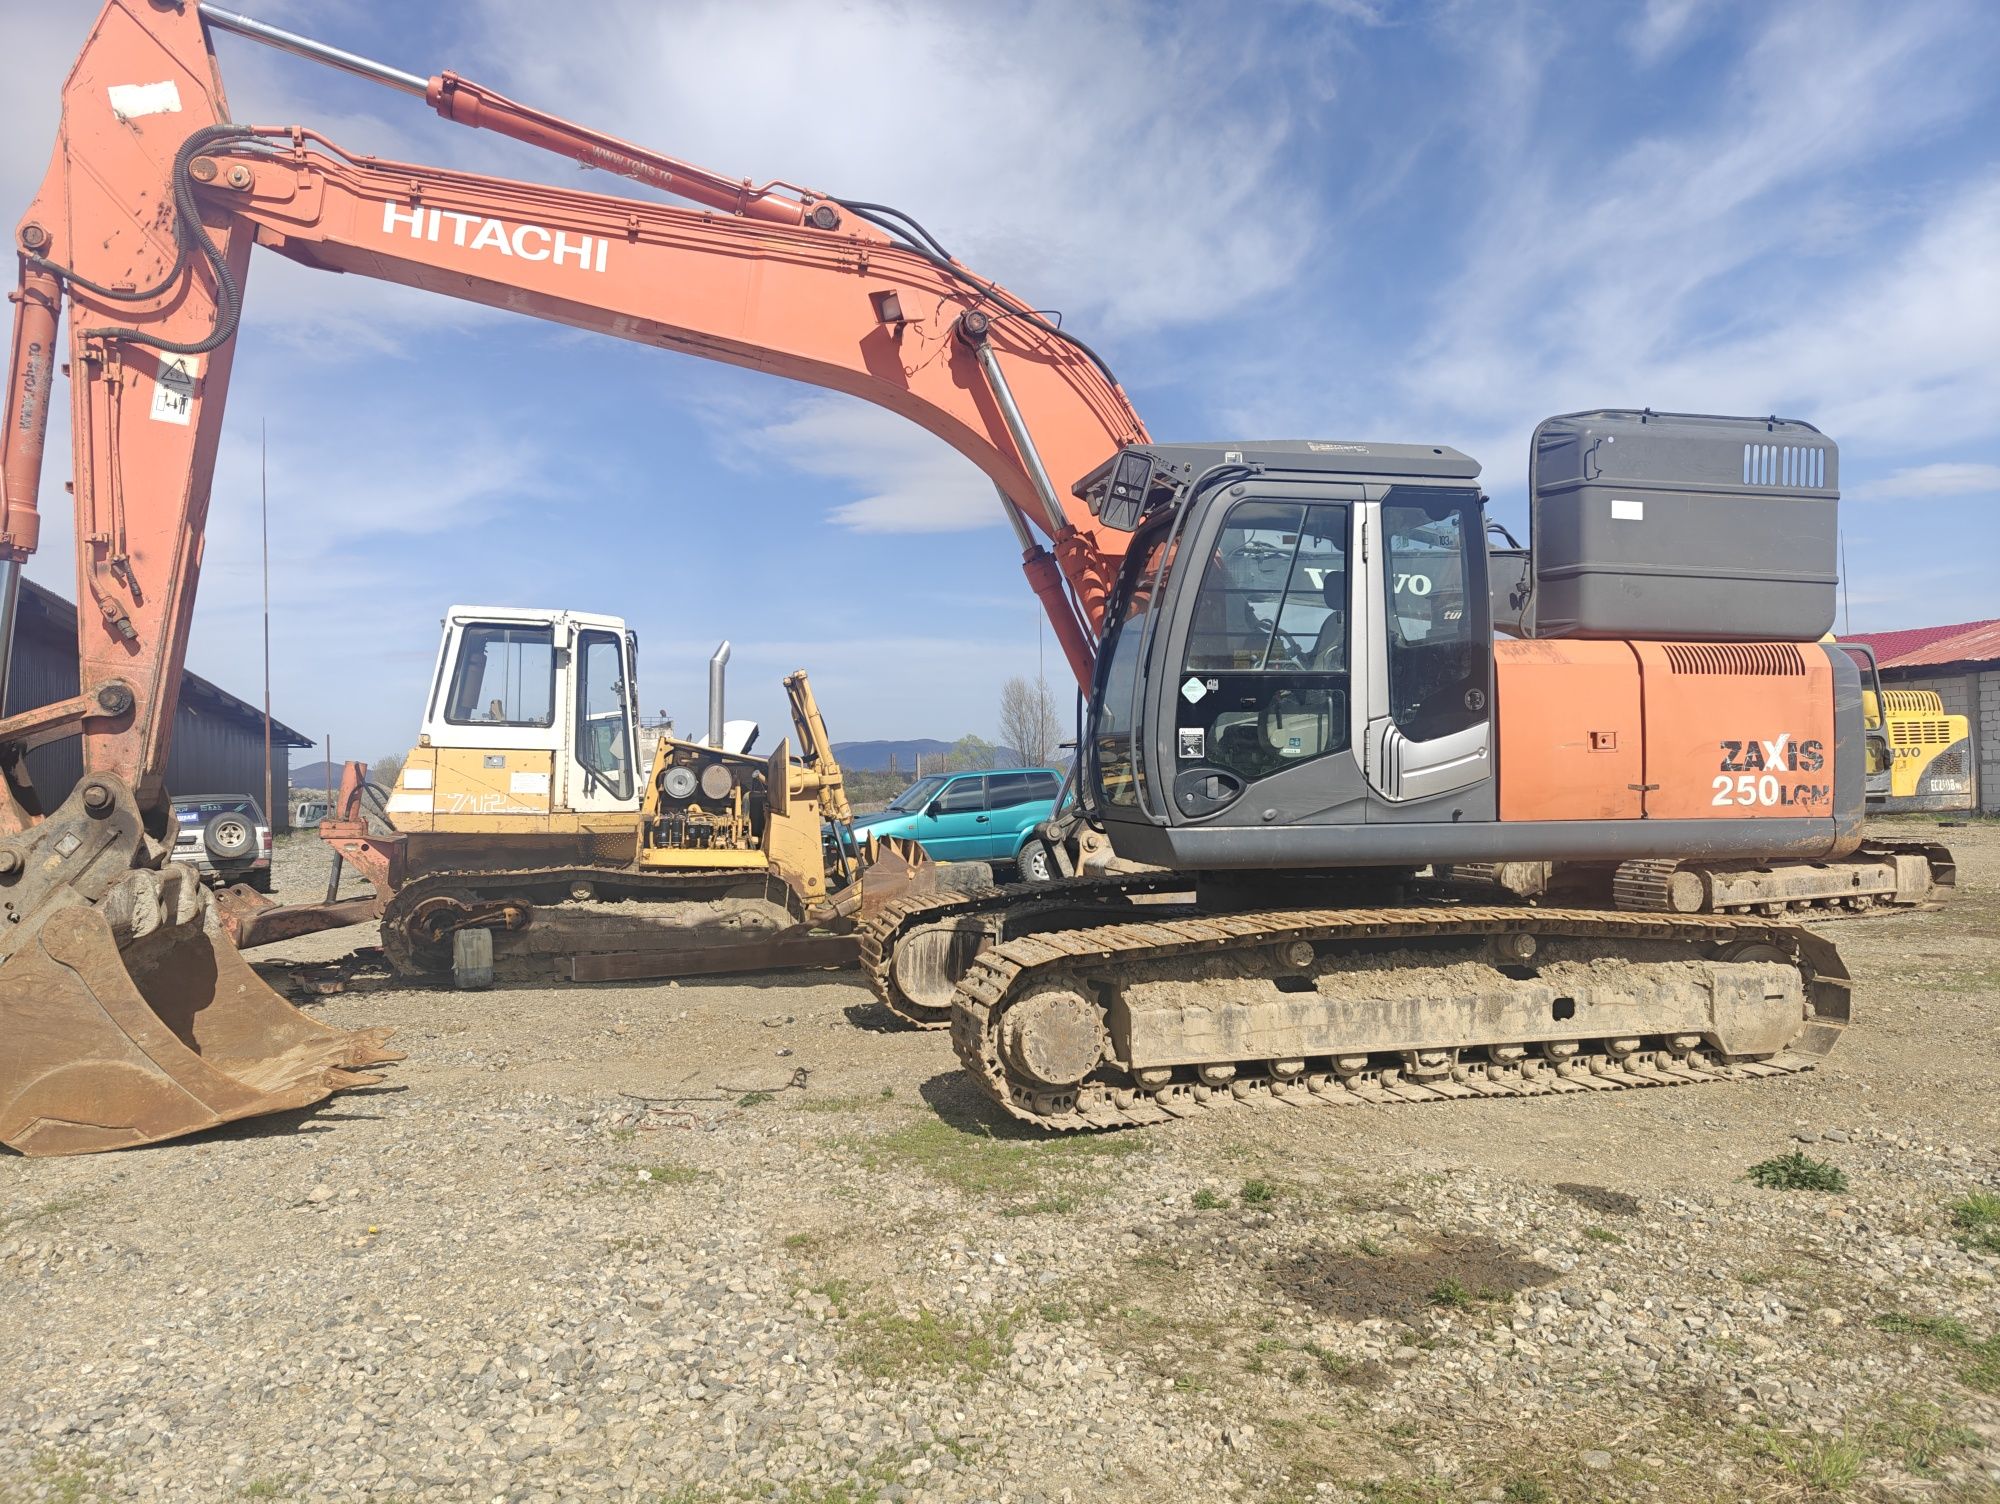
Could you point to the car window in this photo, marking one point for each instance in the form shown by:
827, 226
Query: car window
965, 794
1005, 790
918, 794
201, 811
1043, 785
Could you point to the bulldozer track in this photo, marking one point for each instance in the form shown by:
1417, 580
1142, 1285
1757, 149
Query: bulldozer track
410, 956
997, 905
1000, 975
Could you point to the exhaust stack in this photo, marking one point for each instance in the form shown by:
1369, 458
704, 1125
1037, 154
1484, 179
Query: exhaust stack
715, 668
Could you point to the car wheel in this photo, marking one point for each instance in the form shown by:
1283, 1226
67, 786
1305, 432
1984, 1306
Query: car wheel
1037, 863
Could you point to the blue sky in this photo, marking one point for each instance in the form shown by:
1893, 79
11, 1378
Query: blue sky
1351, 219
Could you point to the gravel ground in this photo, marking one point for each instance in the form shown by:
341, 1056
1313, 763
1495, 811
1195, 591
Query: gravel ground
697, 1243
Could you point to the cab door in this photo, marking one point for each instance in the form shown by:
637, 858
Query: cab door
600, 772
1255, 704
1429, 675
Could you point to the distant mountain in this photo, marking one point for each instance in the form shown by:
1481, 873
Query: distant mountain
314, 775
873, 757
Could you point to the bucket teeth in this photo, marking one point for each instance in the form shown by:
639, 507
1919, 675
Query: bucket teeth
112, 1046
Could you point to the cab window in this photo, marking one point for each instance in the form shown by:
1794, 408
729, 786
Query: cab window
1439, 638
505, 676
603, 734
1264, 681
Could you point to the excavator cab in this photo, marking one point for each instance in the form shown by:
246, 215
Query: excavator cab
1299, 647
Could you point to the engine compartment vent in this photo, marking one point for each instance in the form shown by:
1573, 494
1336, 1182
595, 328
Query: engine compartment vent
1735, 658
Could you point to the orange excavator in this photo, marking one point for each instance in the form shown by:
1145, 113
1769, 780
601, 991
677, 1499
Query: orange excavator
1304, 685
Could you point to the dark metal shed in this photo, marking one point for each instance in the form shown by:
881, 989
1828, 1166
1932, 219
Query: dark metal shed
218, 743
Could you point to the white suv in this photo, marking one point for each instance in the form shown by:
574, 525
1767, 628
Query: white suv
224, 835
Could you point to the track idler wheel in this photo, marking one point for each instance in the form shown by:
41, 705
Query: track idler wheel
1054, 1037
108, 1047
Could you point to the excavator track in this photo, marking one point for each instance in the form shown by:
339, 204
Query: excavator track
915, 950
1882, 877
588, 923
1039, 1019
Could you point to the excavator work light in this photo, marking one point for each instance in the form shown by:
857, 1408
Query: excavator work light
888, 307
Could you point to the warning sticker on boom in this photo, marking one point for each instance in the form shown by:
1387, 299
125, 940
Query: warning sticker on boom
173, 389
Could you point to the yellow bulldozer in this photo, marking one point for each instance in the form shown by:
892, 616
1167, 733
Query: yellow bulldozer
523, 839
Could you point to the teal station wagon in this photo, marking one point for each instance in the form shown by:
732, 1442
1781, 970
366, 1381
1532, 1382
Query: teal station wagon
975, 817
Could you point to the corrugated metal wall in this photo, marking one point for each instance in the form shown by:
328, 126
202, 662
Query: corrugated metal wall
216, 750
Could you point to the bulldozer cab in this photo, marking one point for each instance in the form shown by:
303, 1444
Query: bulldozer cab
531, 721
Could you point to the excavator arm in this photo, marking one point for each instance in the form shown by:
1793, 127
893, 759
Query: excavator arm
132, 1017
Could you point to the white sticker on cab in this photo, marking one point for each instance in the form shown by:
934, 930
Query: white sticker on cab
1627, 511
416, 778
527, 783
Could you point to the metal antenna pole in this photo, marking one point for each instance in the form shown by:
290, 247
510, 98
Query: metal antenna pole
1845, 610
264, 519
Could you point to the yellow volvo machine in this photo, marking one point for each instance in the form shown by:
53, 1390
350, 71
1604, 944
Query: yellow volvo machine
1919, 753
530, 841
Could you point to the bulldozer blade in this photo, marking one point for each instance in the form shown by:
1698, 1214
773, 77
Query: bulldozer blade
251, 919
109, 1048
901, 869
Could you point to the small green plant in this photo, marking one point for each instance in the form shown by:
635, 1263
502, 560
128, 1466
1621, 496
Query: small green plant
1206, 1200
1527, 1491
800, 1242
1369, 1248
1828, 1466
1978, 1220
1798, 1172
266, 1488
1055, 1311
1332, 1365
1602, 1235
754, 1099
1450, 1293
1259, 1193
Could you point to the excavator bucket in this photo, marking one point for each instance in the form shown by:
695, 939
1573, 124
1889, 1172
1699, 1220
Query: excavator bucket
109, 1046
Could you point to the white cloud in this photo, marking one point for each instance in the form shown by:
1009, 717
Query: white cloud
1919, 482
1122, 162
911, 481
1666, 26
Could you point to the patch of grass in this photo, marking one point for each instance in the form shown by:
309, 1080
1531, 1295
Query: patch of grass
828, 1104
1977, 1218
1798, 1172
1043, 1206
1369, 1248
1826, 1467
1981, 1355
1258, 1193
267, 1488
1603, 1235
1055, 1311
886, 1345
47, 1211
800, 1242
837, 1291
640, 1176
755, 1098
1206, 1200
1921, 1437
1527, 1491
989, 1166
66, 1477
